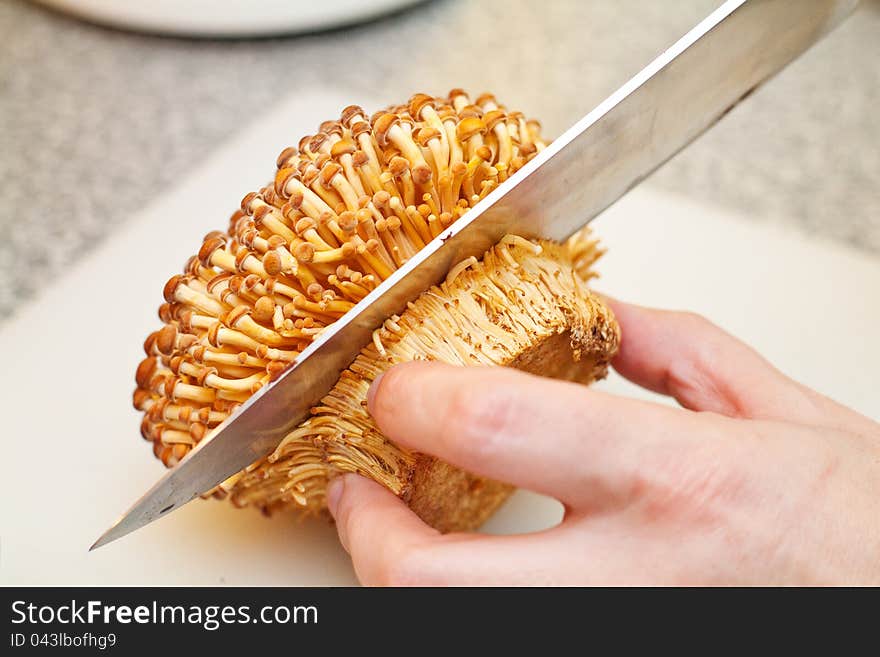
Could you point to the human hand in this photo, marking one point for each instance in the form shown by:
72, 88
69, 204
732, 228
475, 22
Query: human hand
756, 480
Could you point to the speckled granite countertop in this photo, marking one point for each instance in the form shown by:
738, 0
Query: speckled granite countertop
94, 123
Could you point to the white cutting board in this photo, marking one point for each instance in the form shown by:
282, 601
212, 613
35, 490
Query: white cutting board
74, 460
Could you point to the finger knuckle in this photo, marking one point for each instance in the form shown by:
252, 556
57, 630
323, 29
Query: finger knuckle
479, 419
696, 321
699, 486
695, 377
714, 343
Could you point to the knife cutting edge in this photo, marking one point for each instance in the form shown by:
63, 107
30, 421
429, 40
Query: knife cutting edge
680, 94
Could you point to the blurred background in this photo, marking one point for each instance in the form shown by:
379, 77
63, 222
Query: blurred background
97, 121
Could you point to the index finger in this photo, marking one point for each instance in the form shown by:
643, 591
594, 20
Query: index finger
562, 439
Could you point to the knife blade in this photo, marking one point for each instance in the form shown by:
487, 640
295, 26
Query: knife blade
680, 94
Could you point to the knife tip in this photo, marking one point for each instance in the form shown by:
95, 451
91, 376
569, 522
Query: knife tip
107, 537
101, 541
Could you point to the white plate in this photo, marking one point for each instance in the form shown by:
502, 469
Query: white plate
228, 18
74, 459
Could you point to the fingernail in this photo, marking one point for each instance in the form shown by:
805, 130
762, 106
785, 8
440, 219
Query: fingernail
334, 493
371, 393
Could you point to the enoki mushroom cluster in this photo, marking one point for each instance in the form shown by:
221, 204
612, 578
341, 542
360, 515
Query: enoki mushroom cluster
347, 207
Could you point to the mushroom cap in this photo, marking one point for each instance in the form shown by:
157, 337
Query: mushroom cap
382, 124
418, 102
469, 127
